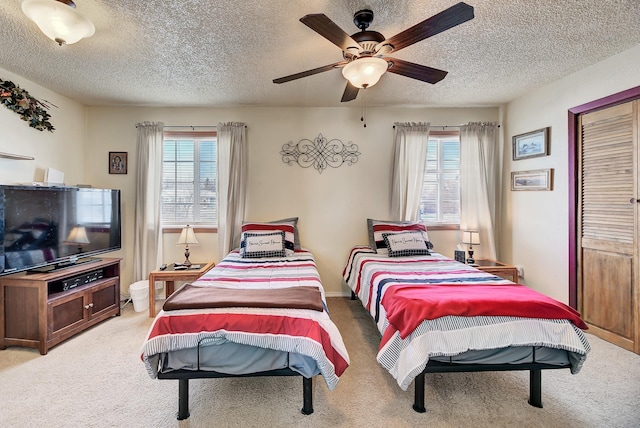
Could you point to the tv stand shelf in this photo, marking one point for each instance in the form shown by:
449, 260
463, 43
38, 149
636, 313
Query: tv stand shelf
37, 312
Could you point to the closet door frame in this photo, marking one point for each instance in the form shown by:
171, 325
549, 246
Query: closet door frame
574, 193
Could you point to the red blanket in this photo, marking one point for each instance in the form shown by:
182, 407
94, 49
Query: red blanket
408, 305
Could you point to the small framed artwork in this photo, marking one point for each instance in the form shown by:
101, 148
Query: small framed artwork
539, 179
117, 162
532, 144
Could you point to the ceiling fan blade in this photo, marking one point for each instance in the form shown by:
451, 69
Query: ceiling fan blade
448, 18
350, 93
328, 29
415, 71
309, 72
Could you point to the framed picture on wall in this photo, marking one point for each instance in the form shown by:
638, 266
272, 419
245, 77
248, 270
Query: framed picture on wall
532, 144
539, 179
117, 162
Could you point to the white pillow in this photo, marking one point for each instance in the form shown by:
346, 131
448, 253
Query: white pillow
406, 244
286, 227
257, 245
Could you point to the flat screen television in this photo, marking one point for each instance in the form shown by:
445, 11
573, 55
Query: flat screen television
44, 228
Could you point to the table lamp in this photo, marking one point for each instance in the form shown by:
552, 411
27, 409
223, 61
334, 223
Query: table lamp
77, 236
471, 237
187, 236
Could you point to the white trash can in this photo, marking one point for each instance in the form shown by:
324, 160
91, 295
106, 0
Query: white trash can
139, 292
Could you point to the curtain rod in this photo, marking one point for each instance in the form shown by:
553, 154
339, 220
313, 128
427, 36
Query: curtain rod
184, 126
446, 126
193, 127
190, 126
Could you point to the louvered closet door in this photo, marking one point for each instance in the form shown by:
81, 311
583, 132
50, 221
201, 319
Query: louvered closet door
607, 260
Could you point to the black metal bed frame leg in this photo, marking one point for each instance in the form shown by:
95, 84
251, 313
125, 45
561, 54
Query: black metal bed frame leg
418, 401
353, 296
535, 388
307, 396
183, 399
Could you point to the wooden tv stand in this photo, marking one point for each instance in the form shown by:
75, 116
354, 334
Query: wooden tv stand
36, 312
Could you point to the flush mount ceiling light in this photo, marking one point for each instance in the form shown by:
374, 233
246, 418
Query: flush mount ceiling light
58, 20
365, 72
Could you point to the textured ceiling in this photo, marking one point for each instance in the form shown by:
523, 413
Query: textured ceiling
226, 53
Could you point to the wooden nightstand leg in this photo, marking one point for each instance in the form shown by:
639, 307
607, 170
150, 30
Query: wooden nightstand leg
152, 296
169, 288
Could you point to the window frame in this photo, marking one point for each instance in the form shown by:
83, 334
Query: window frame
197, 137
440, 135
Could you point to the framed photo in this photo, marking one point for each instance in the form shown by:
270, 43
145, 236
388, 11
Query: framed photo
539, 179
117, 162
531, 145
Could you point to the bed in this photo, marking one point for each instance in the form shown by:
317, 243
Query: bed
263, 315
435, 314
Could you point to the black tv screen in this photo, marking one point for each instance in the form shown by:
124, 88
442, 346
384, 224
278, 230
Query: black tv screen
49, 227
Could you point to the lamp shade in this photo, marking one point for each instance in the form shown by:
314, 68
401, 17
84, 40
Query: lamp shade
471, 237
58, 20
77, 236
365, 72
187, 236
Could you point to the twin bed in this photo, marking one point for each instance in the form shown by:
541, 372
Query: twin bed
438, 315
262, 312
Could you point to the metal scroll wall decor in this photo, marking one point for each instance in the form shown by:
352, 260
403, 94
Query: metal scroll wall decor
320, 153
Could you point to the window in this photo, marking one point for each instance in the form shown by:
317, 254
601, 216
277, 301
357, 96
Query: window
189, 179
440, 201
93, 208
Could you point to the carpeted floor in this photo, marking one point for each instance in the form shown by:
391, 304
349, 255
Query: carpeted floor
97, 379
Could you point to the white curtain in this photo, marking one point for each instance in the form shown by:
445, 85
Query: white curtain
480, 181
147, 239
407, 176
232, 184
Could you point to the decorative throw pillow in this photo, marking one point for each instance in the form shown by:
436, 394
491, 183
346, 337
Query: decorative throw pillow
287, 228
380, 227
262, 244
406, 244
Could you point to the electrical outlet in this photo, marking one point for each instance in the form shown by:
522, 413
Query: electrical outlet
520, 270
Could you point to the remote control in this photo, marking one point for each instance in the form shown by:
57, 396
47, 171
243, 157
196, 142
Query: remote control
163, 266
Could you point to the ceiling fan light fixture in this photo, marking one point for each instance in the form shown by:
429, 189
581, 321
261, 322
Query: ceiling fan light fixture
365, 72
58, 20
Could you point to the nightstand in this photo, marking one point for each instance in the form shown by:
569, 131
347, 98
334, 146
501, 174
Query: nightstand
496, 268
169, 276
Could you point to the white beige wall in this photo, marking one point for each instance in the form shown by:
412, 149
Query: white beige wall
62, 149
535, 229
332, 206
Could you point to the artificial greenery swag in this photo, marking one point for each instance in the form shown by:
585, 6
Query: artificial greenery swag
30, 109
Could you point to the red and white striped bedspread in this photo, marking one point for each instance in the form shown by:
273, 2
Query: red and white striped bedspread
302, 331
405, 354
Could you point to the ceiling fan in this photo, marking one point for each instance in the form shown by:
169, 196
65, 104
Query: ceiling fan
364, 52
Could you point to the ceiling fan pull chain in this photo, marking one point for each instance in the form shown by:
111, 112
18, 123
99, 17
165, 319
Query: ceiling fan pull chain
362, 118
